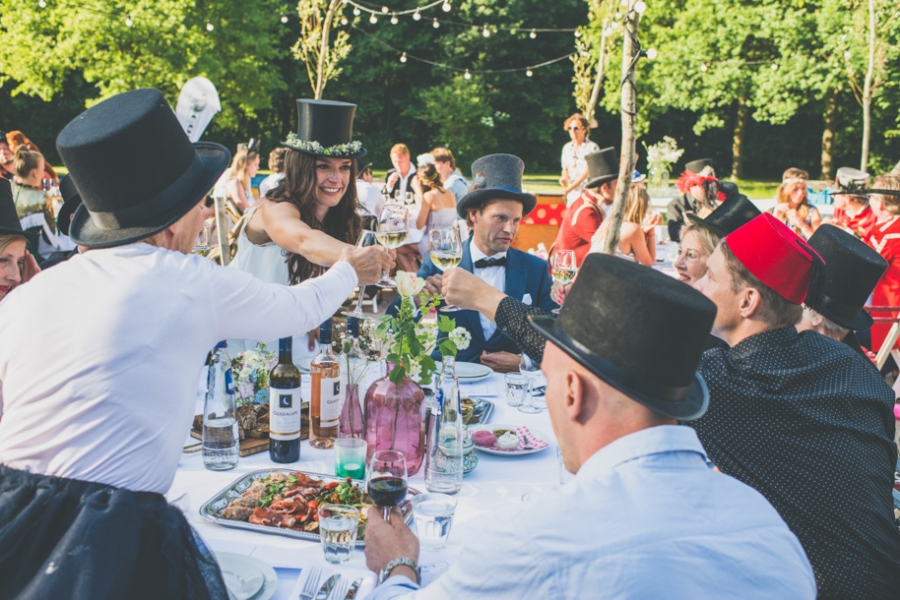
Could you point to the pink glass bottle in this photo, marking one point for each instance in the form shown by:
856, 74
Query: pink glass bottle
394, 420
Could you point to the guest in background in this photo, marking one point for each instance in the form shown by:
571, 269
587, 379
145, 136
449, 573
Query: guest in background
17, 139
885, 239
371, 200
17, 264
237, 188
788, 407
276, 165
792, 205
437, 209
851, 210
614, 402
574, 166
637, 235
34, 207
6, 158
583, 217
445, 163
399, 179
699, 190
71, 202
834, 307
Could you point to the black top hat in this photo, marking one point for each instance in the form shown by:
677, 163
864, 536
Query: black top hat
71, 201
496, 176
695, 166
638, 330
851, 271
9, 218
736, 210
603, 166
325, 128
136, 170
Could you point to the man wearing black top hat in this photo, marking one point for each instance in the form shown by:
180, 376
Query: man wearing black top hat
613, 402
93, 422
584, 216
852, 269
688, 201
493, 209
799, 416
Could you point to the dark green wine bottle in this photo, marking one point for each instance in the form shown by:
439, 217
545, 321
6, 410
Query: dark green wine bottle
284, 406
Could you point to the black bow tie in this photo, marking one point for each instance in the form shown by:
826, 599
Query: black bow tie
484, 263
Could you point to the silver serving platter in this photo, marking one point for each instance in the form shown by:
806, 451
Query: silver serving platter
483, 410
212, 509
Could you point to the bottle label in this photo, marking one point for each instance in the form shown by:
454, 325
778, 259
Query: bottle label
330, 411
284, 413
229, 381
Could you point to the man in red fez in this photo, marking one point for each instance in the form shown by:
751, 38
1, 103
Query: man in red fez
799, 416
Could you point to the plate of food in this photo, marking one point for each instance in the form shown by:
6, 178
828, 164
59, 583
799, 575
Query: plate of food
508, 440
469, 372
285, 502
476, 411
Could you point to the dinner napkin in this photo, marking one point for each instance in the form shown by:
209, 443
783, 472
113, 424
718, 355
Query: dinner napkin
536, 442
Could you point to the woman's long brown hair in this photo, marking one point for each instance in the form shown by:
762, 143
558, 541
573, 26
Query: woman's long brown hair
299, 188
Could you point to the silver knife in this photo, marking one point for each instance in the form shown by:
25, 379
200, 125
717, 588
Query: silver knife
325, 590
351, 593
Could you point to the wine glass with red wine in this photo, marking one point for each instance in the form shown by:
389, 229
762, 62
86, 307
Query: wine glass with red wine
386, 480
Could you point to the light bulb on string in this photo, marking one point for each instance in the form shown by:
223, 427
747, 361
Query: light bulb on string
513, 31
416, 15
446, 7
486, 32
640, 7
703, 67
385, 10
284, 18
847, 55
533, 34
394, 19
774, 66
344, 21
356, 11
617, 16
42, 4
373, 19
577, 33
209, 26
529, 72
651, 53
128, 21
435, 24
403, 57
467, 75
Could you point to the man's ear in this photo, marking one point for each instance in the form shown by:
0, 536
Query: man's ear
749, 302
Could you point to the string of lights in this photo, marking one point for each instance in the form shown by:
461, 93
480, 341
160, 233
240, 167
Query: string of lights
128, 20
467, 73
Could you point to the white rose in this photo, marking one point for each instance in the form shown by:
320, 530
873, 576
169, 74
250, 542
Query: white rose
461, 338
415, 369
408, 284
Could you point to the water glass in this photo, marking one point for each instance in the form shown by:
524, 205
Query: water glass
337, 529
535, 400
201, 244
516, 389
433, 516
350, 458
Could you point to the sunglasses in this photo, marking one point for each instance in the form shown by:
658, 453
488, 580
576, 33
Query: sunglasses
576, 128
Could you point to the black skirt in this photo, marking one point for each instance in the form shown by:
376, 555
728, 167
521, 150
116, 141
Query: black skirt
63, 538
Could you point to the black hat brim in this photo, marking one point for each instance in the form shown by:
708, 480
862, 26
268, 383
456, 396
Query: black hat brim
598, 181
360, 154
691, 407
24, 234
718, 231
213, 162
862, 320
476, 197
64, 218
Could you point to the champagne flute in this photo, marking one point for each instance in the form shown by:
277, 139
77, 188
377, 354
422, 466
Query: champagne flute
563, 268
386, 480
393, 229
366, 238
201, 244
445, 248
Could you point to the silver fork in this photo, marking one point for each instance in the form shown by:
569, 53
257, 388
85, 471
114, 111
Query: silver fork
312, 583
527, 445
340, 591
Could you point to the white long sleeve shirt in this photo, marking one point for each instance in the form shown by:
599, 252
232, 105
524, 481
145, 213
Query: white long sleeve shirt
100, 356
643, 518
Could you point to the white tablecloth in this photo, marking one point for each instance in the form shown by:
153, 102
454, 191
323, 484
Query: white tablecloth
493, 490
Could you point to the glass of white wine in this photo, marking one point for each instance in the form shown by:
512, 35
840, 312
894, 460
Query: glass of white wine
366, 238
563, 268
393, 229
445, 249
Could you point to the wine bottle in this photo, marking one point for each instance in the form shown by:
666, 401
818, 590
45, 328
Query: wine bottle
284, 406
352, 424
325, 404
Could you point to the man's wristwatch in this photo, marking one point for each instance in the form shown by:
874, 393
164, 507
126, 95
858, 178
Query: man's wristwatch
386, 571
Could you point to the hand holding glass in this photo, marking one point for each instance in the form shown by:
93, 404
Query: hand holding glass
366, 238
386, 481
563, 268
393, 229
445, 248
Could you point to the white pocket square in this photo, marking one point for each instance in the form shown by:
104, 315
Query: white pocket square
526, 299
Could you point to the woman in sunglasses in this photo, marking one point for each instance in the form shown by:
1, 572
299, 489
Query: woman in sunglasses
574, 167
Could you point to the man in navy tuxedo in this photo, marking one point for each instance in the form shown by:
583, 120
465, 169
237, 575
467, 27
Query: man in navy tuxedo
493, 210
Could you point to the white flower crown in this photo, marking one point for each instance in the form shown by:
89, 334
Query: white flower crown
338, 150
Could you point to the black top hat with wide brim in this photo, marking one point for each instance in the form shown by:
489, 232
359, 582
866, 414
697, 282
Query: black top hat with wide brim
9, 218
851, 271
735, 211
71, 201
135, 169
496, 177
325, 128
638, 330
602, 166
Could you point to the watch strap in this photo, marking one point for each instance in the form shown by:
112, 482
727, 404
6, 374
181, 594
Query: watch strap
402, 560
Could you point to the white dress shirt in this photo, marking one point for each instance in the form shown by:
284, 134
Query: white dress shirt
643, 518
269, 183
101, 356
493, 276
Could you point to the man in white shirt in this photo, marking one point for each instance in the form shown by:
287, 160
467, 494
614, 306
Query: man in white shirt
445, 163
371, 202
96, 406
399, 179
644, 517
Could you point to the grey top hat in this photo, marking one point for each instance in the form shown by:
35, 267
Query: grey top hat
496, 177
603, 166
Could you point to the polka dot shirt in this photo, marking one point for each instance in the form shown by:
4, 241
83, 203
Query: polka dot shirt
808, 422
512, 319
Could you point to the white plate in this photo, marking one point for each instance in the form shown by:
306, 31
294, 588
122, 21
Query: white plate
491, 427
303, 363
470, 372
246, 577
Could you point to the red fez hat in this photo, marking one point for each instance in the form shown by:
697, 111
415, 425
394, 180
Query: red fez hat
776, 256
